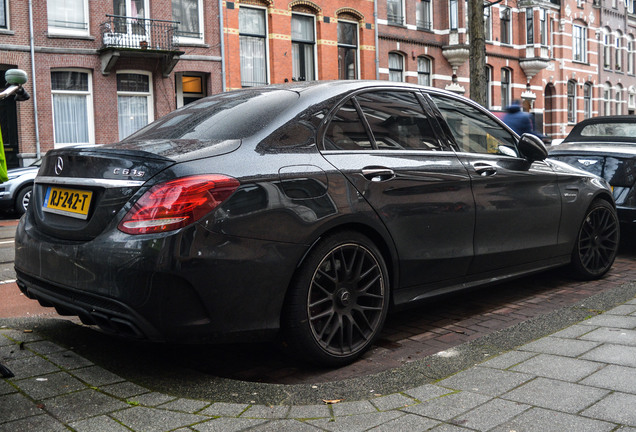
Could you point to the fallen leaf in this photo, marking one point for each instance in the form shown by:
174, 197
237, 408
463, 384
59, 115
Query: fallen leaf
332, 401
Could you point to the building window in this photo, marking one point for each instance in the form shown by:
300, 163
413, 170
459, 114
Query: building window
619, 100
396, 67
631, 6
488, 87
619, 51
529, 26
587, 100
579, 43
68, 17
189, 15
607, 50
424, 71
347, 50
191, 86
134, 102
506, 37
303, 48
395, 15
253, 51
571, 101
453, 17
631, 101
424, 15
4, 16
505, 88
72, 97
543, 27
630, 55
487, 24
606, 99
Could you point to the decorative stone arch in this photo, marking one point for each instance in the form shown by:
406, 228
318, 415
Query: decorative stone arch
266, 3
350, 14
305, 6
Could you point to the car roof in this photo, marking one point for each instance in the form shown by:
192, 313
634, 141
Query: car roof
604, 129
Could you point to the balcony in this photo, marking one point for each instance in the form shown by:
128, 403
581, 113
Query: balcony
139, 38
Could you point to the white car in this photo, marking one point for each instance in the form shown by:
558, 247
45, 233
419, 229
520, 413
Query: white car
15, 193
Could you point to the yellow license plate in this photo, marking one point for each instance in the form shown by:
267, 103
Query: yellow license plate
69, 202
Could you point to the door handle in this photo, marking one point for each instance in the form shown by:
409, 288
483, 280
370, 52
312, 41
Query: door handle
485, 169
377, 174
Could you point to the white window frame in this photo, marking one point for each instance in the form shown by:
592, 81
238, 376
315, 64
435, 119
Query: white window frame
588, 90
148, 95
401, 57
55, 30
179, 85
90, 114
314, 50
571, 101
607, 91
619, 99
265, 38
607, 50
191, 40
453, 15
630, 55
488, 24
579, 36
506, 91
428, 7
618, 55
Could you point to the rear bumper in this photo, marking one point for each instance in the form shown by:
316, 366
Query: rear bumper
187, 286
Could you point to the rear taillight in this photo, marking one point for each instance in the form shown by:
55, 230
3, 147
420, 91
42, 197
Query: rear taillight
177, 203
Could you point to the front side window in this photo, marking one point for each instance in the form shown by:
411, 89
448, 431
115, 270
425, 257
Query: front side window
346, 131
506, 37
69, 17
188, 14
473, 130
396, 67
571, 101
587, 100
424, 15
453, 17
505, 87
394, 12
347, 50
71, 92
253, 52
580, 43
303, 48
424, 71
134, 102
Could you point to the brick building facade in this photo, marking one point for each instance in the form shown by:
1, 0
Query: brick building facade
104, 68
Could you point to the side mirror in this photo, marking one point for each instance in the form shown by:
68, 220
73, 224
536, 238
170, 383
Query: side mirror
532, 148
15, 77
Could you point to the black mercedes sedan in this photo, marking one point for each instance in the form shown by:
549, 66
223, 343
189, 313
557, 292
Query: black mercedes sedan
304, 211
606, 146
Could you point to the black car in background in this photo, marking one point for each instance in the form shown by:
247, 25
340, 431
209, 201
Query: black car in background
304, 210
606, 146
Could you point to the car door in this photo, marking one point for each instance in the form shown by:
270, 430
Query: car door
386, 146
518, 205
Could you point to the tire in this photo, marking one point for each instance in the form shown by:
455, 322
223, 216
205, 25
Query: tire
597, 242
338, 300
22, 200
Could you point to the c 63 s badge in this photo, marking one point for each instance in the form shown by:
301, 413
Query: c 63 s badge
128, 172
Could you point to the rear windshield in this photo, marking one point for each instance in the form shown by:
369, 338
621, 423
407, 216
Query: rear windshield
608, 131
227, 116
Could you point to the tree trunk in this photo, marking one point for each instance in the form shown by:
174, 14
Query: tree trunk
477, 49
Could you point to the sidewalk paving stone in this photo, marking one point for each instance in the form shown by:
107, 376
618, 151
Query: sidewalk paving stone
613, 377
39, 423
16, 406
81, 405
356, 423
490, 414
610, 353
155, 420
185, 405
560, 346
68, 360
615, 321
617, 407
99, 424
224, 409
96, 376
51, 385
543, 420
557, 367
268, 412
30, 366
447, 407
228, 425
394, 401
556, 395
508, 359
491, 382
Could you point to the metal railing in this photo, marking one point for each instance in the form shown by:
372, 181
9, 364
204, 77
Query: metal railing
139, 33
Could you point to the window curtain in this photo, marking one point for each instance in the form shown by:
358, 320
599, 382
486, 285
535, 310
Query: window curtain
70, 119
395, 67
424, 69
253, 71
133, 114
67, 14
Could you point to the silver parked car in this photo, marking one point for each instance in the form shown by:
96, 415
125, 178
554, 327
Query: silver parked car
15, 194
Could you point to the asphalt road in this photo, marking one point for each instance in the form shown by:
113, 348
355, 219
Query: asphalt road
264, 373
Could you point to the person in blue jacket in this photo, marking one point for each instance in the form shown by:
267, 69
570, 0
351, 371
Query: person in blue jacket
517, 120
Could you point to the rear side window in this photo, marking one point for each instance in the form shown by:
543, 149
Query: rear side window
473, 130
394, 119
397, 121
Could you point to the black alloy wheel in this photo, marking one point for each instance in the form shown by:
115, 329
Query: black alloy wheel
339, 300
597, 242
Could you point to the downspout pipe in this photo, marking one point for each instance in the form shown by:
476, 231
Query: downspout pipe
33, 80
222, 39
377, 48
